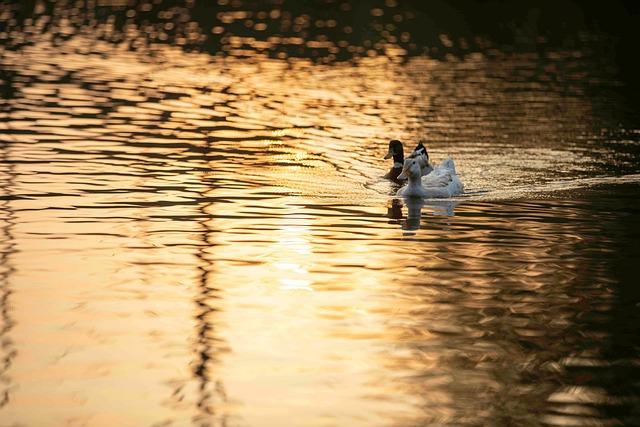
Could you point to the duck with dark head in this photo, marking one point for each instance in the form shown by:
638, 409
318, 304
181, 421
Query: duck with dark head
397, 152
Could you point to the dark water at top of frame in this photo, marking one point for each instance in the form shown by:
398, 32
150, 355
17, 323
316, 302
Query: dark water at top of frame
194, 227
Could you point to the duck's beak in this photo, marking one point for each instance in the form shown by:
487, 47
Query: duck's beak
404, 174
389, 154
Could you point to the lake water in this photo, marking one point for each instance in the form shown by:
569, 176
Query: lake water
197, 239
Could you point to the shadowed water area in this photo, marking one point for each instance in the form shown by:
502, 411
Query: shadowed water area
195, 228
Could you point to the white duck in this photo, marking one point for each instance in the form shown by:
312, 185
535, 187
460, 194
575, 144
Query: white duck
440, 183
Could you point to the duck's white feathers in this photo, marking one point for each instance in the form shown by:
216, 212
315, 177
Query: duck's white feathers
441, 182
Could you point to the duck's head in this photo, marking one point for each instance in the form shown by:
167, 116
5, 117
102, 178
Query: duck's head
396, 151
420, 149
423, 161
410, 169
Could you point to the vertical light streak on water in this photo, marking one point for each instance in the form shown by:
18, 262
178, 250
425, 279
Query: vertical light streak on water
7, 249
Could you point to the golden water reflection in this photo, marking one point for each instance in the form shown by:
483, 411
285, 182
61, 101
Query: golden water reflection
188, 240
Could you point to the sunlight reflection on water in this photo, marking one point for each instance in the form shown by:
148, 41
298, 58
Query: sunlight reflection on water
188, 239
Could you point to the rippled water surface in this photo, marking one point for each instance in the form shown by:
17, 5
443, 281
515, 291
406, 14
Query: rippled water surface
197, 239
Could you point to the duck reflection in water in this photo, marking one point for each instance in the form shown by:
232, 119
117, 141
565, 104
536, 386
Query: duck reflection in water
414, 211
